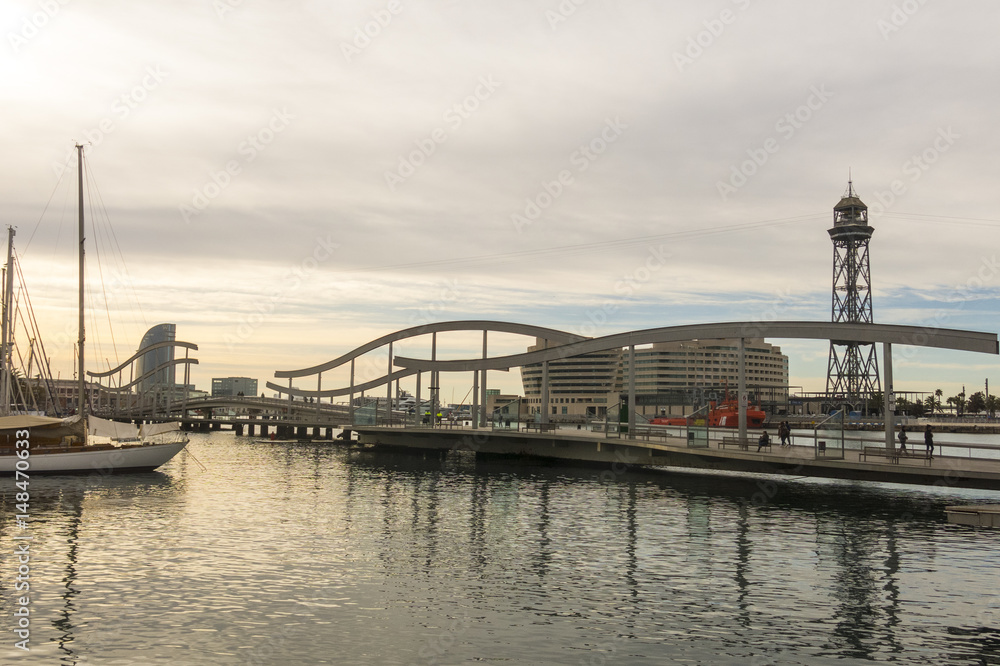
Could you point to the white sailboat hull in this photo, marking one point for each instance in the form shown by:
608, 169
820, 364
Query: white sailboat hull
100, 461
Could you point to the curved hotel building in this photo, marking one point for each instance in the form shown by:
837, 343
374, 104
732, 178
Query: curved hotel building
148, 362
670, 377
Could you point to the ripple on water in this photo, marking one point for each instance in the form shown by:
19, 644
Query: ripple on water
315, 554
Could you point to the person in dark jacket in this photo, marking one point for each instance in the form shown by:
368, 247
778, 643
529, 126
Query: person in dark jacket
929, 440
764, 440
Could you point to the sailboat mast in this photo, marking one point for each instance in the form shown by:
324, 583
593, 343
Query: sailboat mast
81, 384
5, 327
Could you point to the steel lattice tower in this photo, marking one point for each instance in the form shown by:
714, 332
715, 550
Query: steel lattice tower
852, 374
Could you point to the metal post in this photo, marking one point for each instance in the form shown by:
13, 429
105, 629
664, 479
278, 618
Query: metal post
888, 398
545, 392
482, 387
416, 405
742, 389
475, 398
388, 390
187, 381
631, 391
350, 404
435, 376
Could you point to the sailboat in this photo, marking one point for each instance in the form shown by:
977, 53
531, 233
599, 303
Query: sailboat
81, 443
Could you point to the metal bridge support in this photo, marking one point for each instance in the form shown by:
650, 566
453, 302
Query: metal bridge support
417, 411
388, 391
350, 405
742, 390
482, 387
475, 399
631, 391
888, 399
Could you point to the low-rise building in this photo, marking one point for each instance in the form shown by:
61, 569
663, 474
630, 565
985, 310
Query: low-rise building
233, 386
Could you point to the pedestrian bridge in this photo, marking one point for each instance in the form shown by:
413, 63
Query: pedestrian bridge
565, 345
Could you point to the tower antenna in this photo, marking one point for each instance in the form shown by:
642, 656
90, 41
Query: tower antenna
852, 373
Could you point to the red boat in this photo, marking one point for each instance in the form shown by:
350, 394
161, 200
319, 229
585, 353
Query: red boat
725, 415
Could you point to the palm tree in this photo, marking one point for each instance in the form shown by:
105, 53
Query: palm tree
929, 404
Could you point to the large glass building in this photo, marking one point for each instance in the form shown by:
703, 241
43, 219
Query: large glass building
164, 377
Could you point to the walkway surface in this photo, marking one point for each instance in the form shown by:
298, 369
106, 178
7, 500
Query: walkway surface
651, 448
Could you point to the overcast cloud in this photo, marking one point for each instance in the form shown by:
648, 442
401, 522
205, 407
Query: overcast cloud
350, 168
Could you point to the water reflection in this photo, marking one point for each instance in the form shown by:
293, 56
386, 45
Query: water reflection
72, 504
831, 549
299, 552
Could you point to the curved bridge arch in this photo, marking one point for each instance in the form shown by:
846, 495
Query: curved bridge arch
575, 345
485, 326
143, 351
123, 392
440, 327
919, 336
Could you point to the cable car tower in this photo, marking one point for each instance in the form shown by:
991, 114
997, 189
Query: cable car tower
852, 374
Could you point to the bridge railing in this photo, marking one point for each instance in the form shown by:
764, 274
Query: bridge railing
822, 447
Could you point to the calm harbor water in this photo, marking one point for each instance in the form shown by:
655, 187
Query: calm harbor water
315, 554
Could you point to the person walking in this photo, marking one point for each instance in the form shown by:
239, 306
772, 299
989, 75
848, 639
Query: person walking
902, 439
785, 432
929, 440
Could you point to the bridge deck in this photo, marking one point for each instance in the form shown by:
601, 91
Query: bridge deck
584, 445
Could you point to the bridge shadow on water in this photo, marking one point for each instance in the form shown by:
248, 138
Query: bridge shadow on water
855, 499
852, 552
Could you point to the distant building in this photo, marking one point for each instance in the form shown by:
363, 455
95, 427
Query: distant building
579, 386
678, 374
161, 378
65, 392
692, 372
232, 386
505, 407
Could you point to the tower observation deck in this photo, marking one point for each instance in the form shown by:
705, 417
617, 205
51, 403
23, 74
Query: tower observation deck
852, 373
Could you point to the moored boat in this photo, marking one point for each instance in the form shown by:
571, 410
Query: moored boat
720, 415
64, 446
81, 443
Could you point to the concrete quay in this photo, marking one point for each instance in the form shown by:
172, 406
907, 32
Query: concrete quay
658, 450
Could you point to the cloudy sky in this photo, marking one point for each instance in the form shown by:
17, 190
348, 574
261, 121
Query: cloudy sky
286, 180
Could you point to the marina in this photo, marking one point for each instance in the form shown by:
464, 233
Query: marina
312, 553
528, 334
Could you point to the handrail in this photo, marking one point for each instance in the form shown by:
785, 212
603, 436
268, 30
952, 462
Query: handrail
817, 450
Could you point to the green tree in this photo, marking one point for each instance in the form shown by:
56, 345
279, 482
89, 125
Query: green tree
929, 404
958, 403
977, 402
938, 394
904, 406
875, 405
992, 405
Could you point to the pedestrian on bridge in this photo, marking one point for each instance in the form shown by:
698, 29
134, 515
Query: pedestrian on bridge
929, 441
764, 440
